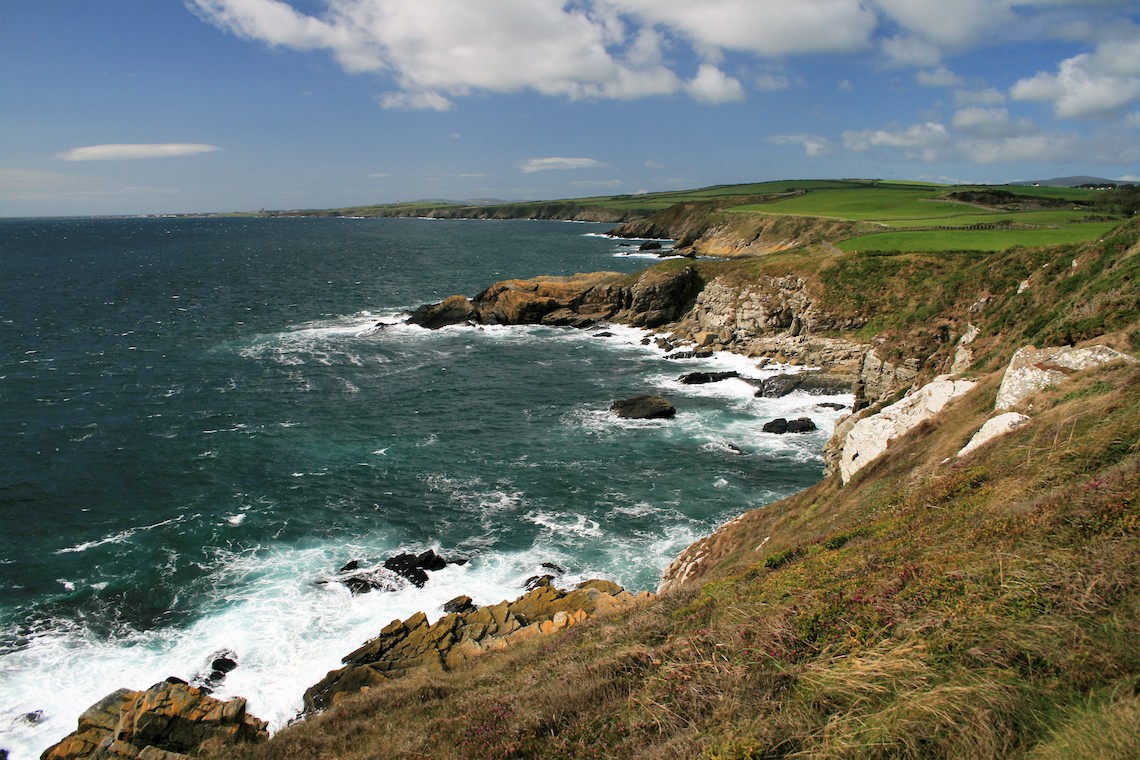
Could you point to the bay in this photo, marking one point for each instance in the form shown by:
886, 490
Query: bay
202, 419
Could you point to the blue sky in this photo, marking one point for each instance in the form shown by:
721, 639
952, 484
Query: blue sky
160, 106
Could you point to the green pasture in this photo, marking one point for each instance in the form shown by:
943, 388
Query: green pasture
975, 240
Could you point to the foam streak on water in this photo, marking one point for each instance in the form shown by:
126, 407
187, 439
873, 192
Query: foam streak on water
204, 419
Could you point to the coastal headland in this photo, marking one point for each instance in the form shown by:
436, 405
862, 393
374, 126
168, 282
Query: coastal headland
963, 581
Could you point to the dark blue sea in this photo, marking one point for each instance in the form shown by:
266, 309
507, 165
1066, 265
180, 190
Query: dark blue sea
201, 419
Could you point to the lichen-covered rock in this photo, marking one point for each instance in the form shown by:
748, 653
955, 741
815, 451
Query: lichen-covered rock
450, 641
868, 437
994, 428
168, 721
1032, 370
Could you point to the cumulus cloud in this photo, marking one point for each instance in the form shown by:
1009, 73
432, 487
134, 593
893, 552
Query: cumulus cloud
939, 77
711, 85
987, 97
764, 27
990, 122
124, 152
814, 146
1089, 85
923, 141
557, 163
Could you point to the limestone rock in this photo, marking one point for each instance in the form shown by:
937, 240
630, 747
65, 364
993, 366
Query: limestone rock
869, 436
1032, 370
168, 721
458, 636
643, 408
994, 428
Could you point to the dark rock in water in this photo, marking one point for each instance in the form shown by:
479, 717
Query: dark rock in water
459, 605
781, 426
604, 334
361, 581
831, 405
350, 566
414, 567
702, 353
643, 408
538, 581
700, 378
455, 310
31, 718
169, 720
822, 383
553, 568
651, 245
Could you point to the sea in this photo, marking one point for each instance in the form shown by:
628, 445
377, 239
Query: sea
203, 419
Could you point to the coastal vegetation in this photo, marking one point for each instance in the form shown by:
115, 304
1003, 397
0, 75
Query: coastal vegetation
982, 606
934, 604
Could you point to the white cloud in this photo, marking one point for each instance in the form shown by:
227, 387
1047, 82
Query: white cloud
986, 97
415, 101
946, 24
939, 77
557, 163
772, 82
814, 145
904, 50
1089, 85
711, 85
924, 141
764, 27
990, 122
125, 152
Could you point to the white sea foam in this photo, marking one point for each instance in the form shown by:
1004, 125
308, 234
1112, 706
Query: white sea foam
115, 538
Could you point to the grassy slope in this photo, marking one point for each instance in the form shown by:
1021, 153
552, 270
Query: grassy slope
978, 608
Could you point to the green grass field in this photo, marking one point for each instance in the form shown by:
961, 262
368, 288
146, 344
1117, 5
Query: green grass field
975, 240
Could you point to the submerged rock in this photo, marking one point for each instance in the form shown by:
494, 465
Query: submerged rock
700, 378
643, 408
168, 721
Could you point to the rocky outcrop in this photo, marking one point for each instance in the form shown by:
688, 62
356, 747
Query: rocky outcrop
781, 425
703, 378
169, 721
654, 298
1032, 370
466, 633
644, 408
816, 383
868, 437
994, 428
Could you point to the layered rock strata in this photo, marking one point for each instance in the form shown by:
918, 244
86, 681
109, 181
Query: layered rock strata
468, 632
169, 721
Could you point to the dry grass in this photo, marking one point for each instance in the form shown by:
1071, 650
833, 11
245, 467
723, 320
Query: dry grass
987, 607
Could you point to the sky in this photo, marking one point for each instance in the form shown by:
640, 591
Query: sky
185, 106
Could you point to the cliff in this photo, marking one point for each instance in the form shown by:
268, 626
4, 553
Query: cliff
971, 589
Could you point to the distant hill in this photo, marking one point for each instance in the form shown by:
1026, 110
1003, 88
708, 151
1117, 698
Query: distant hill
1067, 181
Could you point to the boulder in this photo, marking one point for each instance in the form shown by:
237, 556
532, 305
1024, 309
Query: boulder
1032, 370
455, 310
170, 720
994, 428
868, 437
780, 426
415, 567
650, 245
643, 408
700, 378
815, 383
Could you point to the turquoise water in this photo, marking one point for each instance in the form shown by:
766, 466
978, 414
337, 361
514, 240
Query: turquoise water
203, 418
